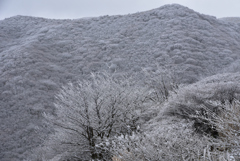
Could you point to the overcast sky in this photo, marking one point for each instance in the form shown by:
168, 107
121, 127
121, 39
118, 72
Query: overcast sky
62, 9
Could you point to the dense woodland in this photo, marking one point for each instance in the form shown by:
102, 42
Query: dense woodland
157, 85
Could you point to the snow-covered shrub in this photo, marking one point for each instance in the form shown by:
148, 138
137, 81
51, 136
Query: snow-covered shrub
92, 110
199, 122
176, 139
227, 125
195, 98
162, 82
173, 139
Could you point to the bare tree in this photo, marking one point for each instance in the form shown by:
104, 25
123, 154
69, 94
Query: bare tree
89, 111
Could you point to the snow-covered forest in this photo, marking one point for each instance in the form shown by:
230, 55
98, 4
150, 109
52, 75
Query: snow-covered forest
157, 85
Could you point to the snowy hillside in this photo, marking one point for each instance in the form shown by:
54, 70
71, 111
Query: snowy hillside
231, 19
38, 56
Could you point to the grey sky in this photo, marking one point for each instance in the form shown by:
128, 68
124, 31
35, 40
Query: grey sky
61, 9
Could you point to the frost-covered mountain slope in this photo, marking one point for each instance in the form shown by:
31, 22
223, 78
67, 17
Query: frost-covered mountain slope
231, 19
39, 55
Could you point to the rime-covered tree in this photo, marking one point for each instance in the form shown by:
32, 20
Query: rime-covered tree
89, 111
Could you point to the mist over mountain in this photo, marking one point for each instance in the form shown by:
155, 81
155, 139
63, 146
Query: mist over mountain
38, 56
